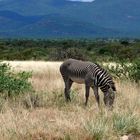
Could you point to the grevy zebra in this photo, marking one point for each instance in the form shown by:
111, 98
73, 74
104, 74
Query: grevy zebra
92, 75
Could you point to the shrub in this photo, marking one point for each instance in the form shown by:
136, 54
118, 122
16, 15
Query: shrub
76, 53
119, 70
13, 83
62, 53
123, 70
135, 71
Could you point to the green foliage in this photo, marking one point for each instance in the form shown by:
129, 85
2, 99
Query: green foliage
13, 83
135, 70
119, 70
94, 50
124, 51
126, 123
61, 54
125, 70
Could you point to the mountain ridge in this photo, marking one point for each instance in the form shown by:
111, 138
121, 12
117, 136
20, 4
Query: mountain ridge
98, 19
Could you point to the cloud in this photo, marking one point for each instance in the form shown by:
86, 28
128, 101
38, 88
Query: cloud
82, 0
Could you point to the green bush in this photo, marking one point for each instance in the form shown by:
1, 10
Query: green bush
119, 70
76, 53
13, 83
123, 70
61, 54
135, 70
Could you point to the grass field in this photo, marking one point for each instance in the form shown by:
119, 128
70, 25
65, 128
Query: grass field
44, 114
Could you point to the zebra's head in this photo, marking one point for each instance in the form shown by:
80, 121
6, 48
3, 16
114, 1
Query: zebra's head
109, 94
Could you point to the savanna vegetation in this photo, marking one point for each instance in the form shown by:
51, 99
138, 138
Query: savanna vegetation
32, 104
124, 52
58, 50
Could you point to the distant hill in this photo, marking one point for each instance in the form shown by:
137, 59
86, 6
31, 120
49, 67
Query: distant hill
62, 18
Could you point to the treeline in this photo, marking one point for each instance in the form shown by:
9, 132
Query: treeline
58, 50
125, 52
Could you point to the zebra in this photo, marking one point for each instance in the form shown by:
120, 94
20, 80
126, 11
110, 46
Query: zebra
90, 74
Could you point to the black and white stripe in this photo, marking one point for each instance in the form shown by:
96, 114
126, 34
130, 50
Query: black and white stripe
103, 79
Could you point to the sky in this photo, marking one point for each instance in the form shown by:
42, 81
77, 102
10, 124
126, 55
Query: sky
83, 0
77, 0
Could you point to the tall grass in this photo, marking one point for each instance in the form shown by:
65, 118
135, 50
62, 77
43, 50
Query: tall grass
97, 127
44, 114
126, 123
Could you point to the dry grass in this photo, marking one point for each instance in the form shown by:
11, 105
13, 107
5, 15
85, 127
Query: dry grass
49, 117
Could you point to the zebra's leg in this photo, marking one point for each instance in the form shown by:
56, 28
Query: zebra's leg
87, 88
95, 90
68, 84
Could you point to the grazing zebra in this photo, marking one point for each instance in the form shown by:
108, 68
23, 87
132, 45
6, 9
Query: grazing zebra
92, 75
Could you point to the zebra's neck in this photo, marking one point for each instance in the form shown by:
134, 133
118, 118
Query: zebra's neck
101, 76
